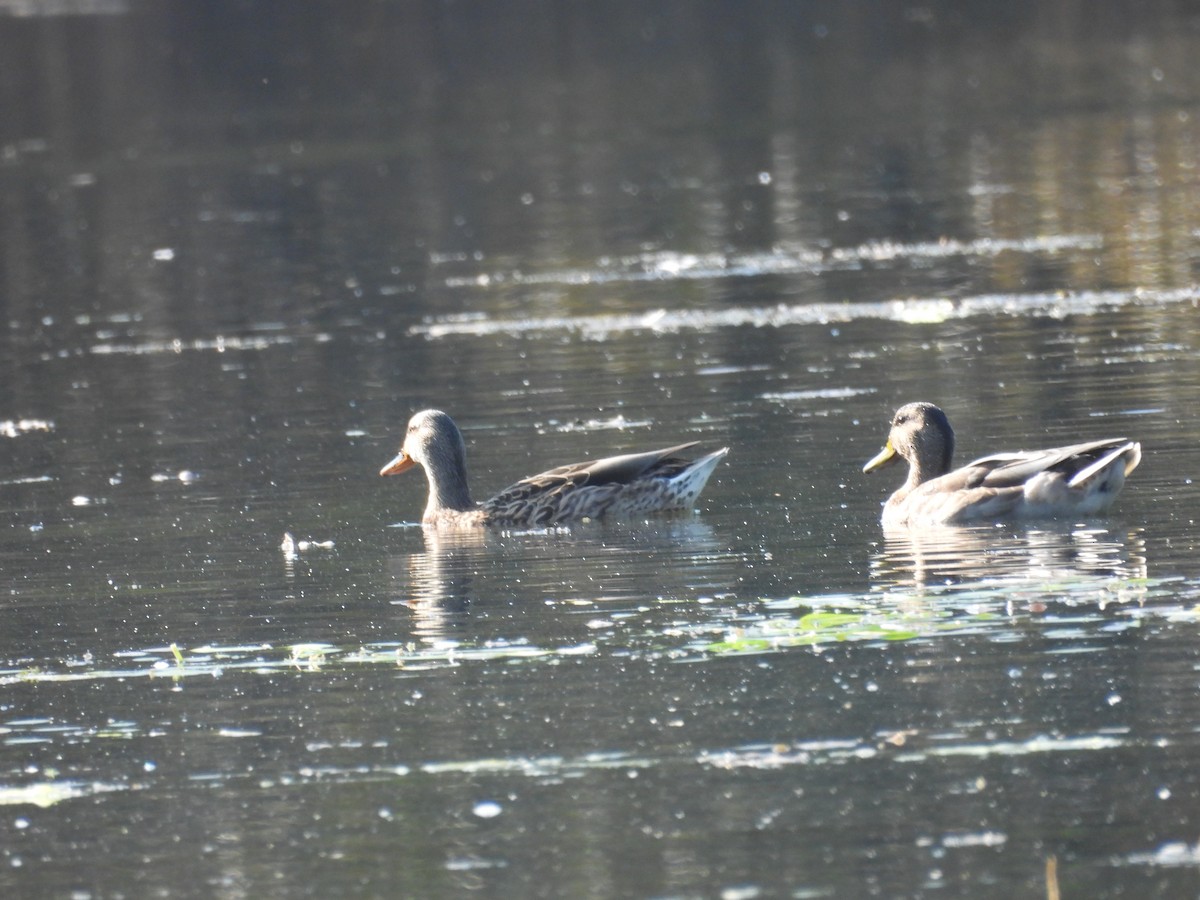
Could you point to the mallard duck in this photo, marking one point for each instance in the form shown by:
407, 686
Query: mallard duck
1079, 480
638, 483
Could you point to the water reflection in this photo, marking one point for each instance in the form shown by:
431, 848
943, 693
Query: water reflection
610, 564
948, 556
437, 583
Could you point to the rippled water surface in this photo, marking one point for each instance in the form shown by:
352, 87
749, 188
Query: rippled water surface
243, 243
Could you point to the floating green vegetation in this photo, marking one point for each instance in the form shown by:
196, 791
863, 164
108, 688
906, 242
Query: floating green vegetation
831, 626
991, 606
176, 663
997, 608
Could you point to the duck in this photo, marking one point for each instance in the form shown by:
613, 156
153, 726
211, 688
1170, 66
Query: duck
633, 484
1077, 480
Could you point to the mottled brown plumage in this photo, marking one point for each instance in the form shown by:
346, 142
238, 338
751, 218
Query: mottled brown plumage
634, 484
1078, 480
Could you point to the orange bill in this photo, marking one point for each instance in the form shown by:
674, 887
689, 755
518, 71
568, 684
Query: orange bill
402, 462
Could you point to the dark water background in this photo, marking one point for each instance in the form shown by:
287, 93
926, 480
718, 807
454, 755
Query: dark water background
241, 242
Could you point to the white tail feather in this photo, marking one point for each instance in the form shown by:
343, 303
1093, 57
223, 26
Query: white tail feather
1133, 448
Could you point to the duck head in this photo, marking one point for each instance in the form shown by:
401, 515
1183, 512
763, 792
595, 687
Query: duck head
920, 434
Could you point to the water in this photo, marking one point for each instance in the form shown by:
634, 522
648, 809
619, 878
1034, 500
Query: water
242, 246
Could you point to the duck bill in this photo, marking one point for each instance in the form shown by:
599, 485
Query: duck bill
882, 458
401, 463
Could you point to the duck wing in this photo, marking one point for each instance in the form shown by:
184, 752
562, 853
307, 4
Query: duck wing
541, 499
613, 469
1076, 463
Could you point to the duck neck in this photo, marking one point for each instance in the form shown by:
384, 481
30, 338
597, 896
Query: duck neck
919, 474
448, 490
922, 468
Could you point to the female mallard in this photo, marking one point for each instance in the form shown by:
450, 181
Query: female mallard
1080, 480
619, 485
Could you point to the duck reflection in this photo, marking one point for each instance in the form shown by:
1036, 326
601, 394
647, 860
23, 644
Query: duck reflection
948, 555
459, 568
437, 583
